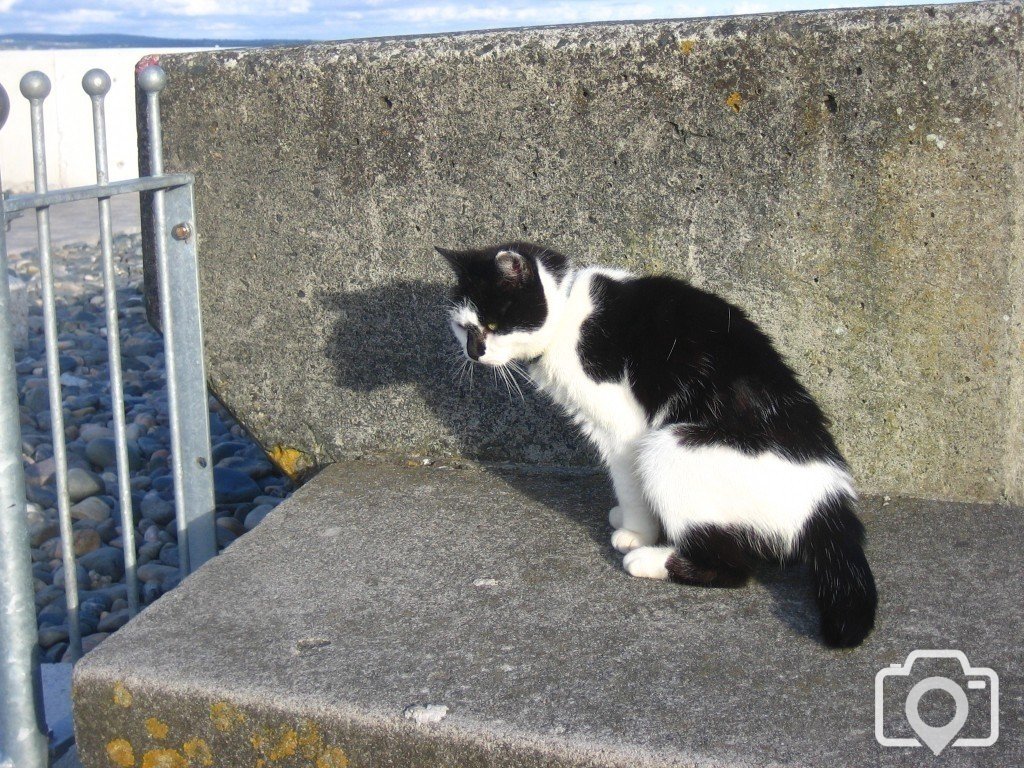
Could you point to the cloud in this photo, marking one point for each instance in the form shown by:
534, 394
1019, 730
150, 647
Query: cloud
85, 16
254, 8
6, 5
501, 13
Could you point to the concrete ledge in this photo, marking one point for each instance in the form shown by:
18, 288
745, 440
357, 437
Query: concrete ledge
378, 588
851, 177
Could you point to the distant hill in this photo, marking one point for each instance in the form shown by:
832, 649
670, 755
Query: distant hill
29, 41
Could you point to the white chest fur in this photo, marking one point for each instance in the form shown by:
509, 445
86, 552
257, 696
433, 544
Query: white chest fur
606, 412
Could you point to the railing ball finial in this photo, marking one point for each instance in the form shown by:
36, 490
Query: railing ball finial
152, 79
5, 106
35, 85
96, 82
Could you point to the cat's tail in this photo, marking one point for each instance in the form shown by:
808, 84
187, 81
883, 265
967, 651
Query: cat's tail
832, 545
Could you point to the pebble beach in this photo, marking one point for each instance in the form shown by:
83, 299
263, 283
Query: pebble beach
247, 485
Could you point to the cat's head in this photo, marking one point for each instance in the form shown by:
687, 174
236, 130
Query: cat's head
503, 300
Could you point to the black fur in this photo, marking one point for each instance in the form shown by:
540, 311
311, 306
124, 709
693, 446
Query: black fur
718, 373
844, 585
508, 302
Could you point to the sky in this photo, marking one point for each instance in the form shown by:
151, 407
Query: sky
316, 20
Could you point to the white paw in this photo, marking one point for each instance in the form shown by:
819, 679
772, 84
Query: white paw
616, 516
626, 540
648, 562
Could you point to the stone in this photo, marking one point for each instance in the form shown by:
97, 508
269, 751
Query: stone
156, 572
37, 400
90, 432
107, 530
102, 452
83, 484
56, 612
169, 555
113, 621
254, 468
232, 486
86, 540
150, 550
50, 594
51, 635
41, 472
90, 642
54, 656
225, 536
149, 445
155, 508
106, 561
41, 573
228, 448
256, 515
230, 523
44, 497
93, 508
43, 531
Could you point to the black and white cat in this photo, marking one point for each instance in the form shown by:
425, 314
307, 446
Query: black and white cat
709, 437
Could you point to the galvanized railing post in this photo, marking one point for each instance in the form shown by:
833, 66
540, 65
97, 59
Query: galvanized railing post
178, 277
23, 737
35, 86
96, 84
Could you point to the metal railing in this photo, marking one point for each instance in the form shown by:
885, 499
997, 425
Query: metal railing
24, 739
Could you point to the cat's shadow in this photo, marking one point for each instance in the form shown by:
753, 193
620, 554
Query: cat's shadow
396, 335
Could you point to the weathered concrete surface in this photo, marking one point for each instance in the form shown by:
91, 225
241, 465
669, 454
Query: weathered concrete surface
851, 177
496, 594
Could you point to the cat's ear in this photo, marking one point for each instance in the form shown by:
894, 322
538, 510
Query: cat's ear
513, 267
456, 259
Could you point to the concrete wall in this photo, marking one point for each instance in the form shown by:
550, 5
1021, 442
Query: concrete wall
67, 114
851, 177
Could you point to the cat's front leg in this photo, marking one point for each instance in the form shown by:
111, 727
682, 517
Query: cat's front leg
634, 523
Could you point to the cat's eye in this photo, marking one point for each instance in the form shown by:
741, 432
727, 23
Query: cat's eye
492, 326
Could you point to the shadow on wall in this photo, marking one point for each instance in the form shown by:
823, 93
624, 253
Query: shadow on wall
403, 338
395, 335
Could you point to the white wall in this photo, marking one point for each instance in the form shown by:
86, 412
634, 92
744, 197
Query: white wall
67, 115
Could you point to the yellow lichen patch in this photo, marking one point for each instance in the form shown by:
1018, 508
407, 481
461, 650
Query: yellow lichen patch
122, 696
734, 100
198, 752
257, 742
332, 757
157, 729
309, 739
686, 47
121, 753
164, 758
290, 460
225, 717
285, 745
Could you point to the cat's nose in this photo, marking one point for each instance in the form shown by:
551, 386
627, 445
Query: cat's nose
475, 345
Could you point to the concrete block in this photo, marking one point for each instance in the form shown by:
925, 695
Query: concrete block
18, 308
338, 630
852, 177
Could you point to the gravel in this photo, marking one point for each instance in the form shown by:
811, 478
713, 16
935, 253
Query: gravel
248, 486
